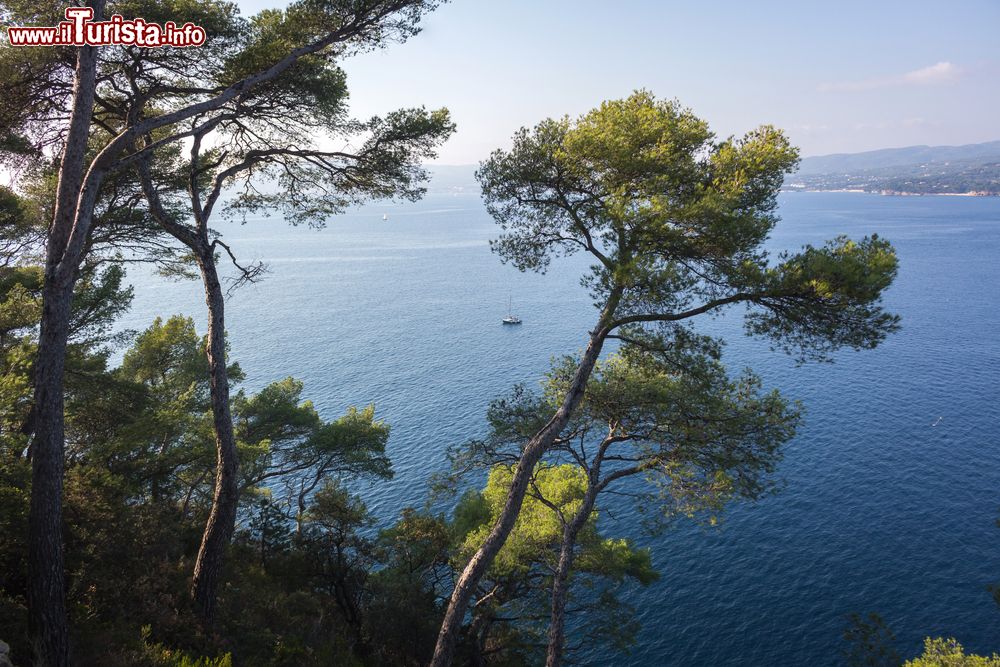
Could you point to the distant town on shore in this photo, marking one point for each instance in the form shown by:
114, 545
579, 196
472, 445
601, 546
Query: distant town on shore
970, 170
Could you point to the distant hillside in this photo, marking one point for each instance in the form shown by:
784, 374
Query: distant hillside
896, 157
970, 169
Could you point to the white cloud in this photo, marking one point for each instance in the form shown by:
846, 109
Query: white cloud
941, 72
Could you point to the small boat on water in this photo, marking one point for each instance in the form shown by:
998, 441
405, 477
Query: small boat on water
385, 216
511, 318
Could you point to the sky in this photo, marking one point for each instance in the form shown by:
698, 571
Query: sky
842, 76
837, 77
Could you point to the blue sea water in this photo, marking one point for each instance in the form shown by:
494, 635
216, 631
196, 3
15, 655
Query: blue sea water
881, 510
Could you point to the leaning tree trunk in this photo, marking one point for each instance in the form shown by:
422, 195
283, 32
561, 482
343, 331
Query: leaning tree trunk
221, 523
48, 627
533, 451
560, 588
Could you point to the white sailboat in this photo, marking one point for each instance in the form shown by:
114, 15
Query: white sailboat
511, 318
385, 216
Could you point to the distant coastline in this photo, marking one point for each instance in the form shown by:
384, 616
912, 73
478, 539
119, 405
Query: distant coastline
972, 170
894, 193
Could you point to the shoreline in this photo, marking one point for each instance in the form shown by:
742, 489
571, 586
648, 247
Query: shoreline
895, 193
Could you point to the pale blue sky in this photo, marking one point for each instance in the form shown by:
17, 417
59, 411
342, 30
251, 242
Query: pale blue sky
837, 76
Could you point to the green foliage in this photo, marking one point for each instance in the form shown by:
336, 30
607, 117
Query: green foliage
27, 93
516, 585
15, 481
846, 279
159, 656
20, 309
386, 164
139, 437
537, 529
701, 438
281, 437
636, 178
169, 357
356, 441
408, 588
21, 229
268, 526
139, 480
153, 427
949, 653
667, 421
690, 438
100, 298
557, 491
274, 132
675, 221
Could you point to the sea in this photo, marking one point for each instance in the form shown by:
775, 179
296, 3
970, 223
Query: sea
890, 492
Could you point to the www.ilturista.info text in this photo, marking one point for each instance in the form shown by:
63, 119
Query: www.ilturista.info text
79, 30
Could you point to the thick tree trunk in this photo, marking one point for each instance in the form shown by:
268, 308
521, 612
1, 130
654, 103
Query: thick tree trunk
46, 577
560, 588
208, 567
47, 623
533, 452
